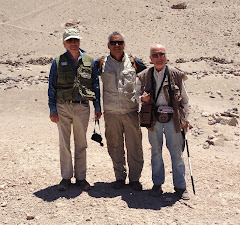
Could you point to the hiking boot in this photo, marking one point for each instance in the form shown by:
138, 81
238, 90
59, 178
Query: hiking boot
182, 193
83, 184
156, 190
118, 184
136, 185
64, 184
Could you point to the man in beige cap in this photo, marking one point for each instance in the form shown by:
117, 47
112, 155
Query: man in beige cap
73, 81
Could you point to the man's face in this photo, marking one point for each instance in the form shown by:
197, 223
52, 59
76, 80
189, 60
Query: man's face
72, 45
158, 56
116, 45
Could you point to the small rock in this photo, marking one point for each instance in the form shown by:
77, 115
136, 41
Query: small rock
211, 136
206, 145
237, 133
227, 138
205, 114
219, 141
219, 92
30, 217
215, 130
212, 122
223, 122
182, 5
233, 122
2, 186
4, 204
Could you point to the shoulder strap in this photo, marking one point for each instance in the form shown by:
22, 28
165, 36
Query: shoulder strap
97, 122
63, 56
159, 90
101, 62
133, 62
130, 57
57, 60
87, 60
169, 85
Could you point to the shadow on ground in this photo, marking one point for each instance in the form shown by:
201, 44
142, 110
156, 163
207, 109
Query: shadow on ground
134, 199
51, 193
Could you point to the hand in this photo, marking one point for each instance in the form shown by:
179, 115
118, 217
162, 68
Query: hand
145, 97
185, 127
54, 117
98, 115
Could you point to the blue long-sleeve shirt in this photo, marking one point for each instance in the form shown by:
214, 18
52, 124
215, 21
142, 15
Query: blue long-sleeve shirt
53, 76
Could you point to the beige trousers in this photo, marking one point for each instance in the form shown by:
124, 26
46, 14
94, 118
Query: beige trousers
73, 116
118, 128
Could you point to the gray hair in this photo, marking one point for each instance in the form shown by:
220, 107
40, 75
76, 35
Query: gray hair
154, 45
115, 33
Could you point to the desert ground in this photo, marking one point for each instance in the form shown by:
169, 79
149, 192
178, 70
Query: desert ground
202, 38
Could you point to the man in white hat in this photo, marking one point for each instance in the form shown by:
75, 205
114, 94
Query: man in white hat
73, 81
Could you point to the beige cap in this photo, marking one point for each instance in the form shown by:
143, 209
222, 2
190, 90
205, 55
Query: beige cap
71, 33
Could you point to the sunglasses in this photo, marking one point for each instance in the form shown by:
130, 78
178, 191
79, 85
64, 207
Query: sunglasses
116, 42
161, 54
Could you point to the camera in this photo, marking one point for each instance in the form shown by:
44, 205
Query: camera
97, 137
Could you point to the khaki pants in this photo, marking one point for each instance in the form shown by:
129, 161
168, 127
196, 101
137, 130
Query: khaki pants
76, 116
119, 126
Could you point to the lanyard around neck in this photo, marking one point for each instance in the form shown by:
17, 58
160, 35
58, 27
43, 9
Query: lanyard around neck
159, 90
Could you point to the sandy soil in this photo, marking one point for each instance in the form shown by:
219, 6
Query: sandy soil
203, 40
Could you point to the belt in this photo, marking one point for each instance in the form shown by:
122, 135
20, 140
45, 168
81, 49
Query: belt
78, 102
74, 101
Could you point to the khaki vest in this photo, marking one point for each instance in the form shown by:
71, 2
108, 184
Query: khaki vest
119, 85
176, 77
69, 85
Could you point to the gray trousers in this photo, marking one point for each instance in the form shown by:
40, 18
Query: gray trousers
118, 127
73, 116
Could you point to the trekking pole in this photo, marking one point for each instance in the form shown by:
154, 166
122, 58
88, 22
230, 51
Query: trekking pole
189, 161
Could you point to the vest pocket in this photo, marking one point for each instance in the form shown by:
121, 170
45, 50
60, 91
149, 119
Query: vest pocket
86, 73
66, 94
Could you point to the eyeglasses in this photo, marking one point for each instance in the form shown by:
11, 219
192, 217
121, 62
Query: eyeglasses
161, 54
116, 42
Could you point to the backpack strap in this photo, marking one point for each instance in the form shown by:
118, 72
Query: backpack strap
100, 64
133, 62
130, 57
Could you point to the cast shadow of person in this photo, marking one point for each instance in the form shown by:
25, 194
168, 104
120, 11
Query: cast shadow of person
51, 193
134, 199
